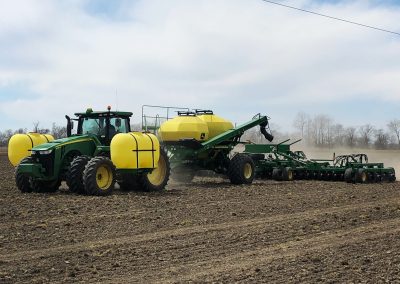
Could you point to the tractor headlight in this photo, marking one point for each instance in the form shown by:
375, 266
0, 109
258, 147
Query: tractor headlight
42, 152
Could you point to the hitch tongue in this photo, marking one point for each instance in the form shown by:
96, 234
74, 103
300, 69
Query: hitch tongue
267, 135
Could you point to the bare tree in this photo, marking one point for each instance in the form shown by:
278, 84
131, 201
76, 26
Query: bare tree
338, 134
366, 131
381, 139
350, 136
36, 126
58, 131
394, 127
300, 122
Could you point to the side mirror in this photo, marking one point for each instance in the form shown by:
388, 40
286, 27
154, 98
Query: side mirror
118, 122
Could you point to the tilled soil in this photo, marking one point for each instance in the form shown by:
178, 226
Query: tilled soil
206, 231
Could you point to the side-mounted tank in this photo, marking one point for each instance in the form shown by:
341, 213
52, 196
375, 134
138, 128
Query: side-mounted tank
20, 145
135, 150
185, 126
216, 124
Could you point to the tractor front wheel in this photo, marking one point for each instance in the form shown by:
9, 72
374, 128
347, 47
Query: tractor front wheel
75, 174
99, 176
158, 178
241, 169
22, 180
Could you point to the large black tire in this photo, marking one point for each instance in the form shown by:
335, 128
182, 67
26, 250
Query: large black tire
361, 176
45, 186
128, 182
74, 177
348, 175
99, 176
277, 174
287, 174
241, 169
158, 178
23, 181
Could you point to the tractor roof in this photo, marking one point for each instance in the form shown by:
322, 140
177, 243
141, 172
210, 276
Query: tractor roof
93, 114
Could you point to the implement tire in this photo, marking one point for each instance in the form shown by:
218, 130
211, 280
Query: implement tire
241, 169
22, 180
75, 174
158, 178
361, 176
348, 175
277, 174
99, 176
287, 174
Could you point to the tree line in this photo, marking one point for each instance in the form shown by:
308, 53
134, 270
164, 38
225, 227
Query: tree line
315, 131
322, 131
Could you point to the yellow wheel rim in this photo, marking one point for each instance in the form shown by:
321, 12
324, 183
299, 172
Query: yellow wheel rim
157, 176
104, 177
247, 171
290, 175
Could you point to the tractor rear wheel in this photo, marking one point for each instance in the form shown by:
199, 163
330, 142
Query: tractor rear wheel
75, 174
22, 180
99, 176
158, 178
241, 169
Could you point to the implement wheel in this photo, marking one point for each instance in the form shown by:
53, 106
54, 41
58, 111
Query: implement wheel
241, 169
348, 175
158, 178
99, 176
75, 174
277, 174
361, 176
287, 174
22, 180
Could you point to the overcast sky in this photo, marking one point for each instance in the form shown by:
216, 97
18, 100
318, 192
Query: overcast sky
237, 57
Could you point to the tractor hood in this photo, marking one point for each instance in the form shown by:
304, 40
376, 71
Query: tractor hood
64, 141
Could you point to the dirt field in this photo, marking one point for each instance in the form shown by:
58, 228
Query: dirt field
206, 231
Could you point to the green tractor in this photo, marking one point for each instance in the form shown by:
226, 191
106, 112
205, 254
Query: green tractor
102, 152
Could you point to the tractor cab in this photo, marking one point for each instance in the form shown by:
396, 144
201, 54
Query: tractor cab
104, 124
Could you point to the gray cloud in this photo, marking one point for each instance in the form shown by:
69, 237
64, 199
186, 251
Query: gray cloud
237, 57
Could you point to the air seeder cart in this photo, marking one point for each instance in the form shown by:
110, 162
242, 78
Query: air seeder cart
200, 140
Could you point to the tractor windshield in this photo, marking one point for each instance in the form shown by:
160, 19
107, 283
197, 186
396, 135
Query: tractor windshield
93, 126
97, 126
